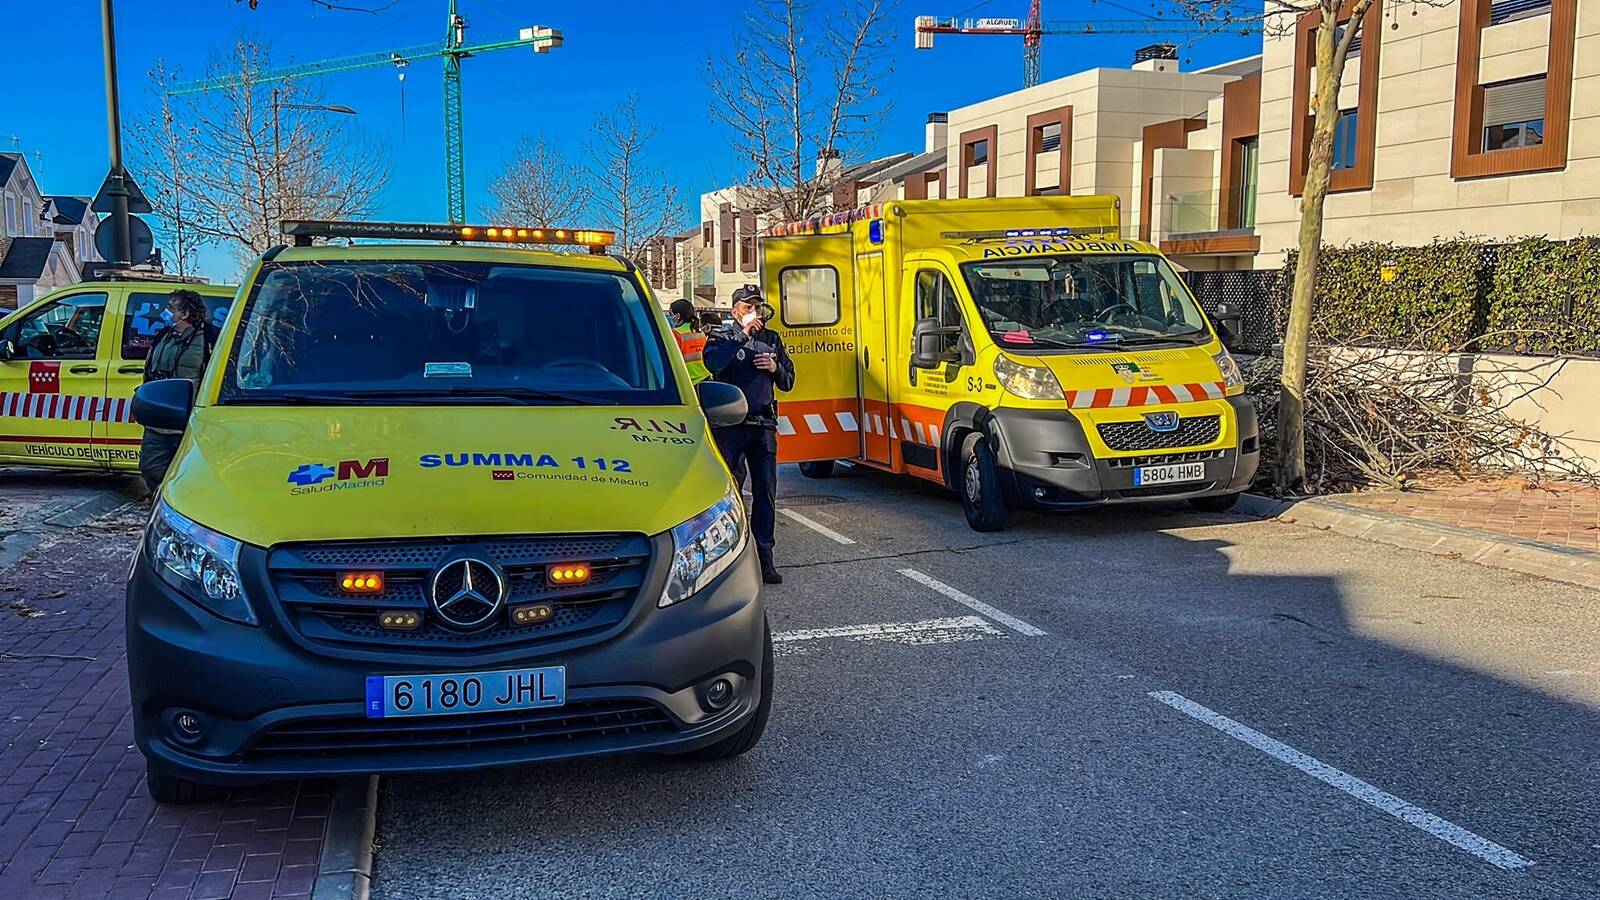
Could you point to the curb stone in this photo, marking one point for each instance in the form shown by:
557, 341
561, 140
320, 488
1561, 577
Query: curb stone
1537, 558
345, 870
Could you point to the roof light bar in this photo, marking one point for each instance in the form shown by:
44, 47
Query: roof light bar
304, 230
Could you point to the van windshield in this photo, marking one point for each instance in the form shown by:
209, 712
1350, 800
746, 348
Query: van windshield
382, 333
1073, 301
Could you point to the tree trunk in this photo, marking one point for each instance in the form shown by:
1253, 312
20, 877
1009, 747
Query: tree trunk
1291, 471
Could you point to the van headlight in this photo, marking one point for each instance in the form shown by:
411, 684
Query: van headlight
198, 562
704, 547
1028, 381
1232, 375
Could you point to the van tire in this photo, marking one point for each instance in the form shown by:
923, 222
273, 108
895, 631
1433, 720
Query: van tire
170, 789
822, 468
1216, 503
982, 497
750, 735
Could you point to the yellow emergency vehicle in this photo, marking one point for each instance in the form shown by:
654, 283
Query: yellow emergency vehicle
1018, 351
69, 363
441, 506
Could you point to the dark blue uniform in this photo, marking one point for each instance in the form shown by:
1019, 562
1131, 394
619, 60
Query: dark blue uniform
752, 446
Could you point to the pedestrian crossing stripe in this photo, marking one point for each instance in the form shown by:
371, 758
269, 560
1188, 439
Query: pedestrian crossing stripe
70, 407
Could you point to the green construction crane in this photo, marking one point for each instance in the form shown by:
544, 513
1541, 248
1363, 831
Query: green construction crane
454, 48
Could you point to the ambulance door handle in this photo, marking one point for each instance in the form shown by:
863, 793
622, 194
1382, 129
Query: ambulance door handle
130, 370
866, 356
84, 370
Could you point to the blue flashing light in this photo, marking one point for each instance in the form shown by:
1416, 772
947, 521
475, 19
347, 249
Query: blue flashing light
875, 231
1095, 337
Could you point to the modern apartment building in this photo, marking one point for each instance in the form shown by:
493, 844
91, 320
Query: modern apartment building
1479, 118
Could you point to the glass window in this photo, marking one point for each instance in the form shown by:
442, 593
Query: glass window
1513, 114
1344, 139
979, 151
69, 328
936, 299
146, 316
1050, 137
1247, 157
809, 295
1046, 302
430, 333
1512, 10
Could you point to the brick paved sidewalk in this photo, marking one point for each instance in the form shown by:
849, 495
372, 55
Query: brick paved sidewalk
1565, 515
75, 820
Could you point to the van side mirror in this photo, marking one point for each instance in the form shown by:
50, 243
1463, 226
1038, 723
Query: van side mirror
8, 349
723, 404
929, 343
1227, 319
164, 404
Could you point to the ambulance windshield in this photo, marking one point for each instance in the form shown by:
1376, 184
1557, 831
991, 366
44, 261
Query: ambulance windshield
390, 333
1089, 300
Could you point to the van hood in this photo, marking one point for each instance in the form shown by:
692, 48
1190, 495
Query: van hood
267, 475
1097, 369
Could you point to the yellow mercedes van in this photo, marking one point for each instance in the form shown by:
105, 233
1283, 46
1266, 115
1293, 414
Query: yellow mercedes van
437, 507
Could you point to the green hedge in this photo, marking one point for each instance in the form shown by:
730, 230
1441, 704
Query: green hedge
1531, 296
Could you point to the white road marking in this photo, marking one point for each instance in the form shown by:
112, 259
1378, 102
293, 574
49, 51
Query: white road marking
1446, 831
1006, 619
928, 631
818, 527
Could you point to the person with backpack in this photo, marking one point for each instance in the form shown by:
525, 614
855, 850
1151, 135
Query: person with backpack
180, 351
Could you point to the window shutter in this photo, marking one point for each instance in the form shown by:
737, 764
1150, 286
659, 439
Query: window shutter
1513, 101
1051, 138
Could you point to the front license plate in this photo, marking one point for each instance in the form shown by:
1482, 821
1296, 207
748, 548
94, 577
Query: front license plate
469, 692
1148, 475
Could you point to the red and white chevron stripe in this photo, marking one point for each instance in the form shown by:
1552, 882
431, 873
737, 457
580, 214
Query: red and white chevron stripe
74, 407
1104, 398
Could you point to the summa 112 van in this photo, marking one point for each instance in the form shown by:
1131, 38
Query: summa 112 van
440, 507
1018, 351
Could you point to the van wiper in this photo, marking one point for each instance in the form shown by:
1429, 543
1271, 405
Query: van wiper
258, 398
510, 396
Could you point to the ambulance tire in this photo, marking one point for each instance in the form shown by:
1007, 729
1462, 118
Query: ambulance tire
1217, 503
822, 468
982, 497
171, 789
750, 735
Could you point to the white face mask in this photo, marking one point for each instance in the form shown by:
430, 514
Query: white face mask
747, 318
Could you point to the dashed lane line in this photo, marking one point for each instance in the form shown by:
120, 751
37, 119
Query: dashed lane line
928, 631
982, 608
1444, 830
818, 527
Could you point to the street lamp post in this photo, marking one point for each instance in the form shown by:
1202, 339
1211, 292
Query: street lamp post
277, 150
116, 188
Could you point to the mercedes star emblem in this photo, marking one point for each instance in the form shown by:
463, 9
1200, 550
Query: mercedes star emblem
467, 592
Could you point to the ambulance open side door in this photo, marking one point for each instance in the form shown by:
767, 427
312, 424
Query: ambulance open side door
809, 280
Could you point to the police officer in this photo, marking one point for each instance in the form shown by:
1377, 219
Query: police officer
751, 357
180, 351
691, 340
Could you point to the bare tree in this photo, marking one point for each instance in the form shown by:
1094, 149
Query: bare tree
167, 151
258, 152
797, 83
1338, 27
539, 186
631, 196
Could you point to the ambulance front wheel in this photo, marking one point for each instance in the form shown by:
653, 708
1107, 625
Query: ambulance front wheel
982, 498
822, 468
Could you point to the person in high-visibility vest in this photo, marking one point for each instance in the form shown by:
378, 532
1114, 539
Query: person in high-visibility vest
691, 342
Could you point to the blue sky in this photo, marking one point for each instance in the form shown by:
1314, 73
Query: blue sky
57, 113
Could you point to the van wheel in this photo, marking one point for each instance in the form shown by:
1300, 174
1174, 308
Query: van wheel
750, 735
166, 788
1217, 503
822, 468
982, 498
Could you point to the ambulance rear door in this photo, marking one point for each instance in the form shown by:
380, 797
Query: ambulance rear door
809, 282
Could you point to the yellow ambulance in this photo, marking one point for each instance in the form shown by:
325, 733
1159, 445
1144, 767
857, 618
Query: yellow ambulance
69, 363
1019, 351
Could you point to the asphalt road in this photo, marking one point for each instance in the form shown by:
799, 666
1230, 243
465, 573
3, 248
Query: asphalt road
1128, 703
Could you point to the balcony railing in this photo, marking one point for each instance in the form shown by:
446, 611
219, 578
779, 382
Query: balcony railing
1190, 212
